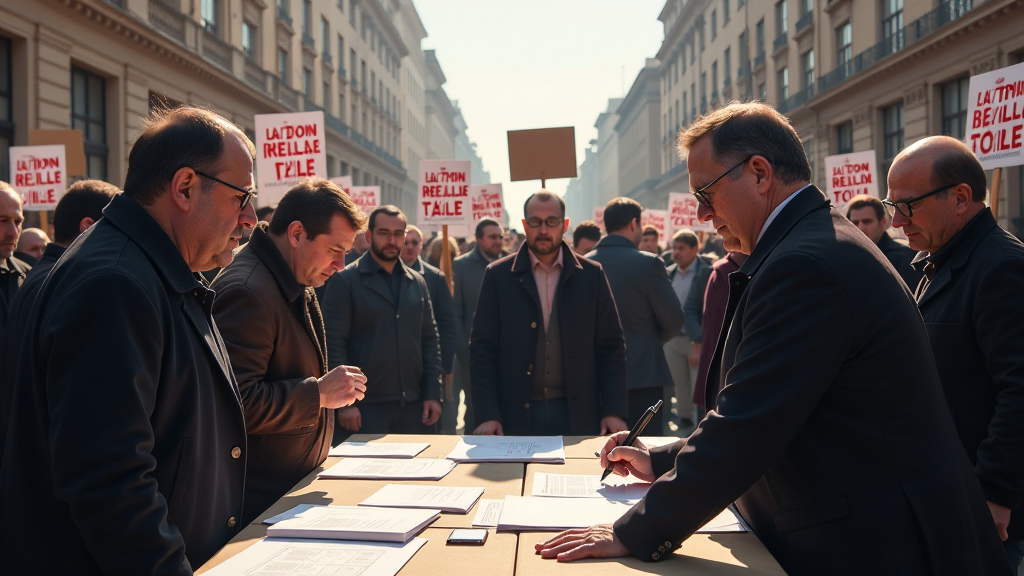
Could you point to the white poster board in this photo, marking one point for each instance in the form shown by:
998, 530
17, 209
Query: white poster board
682, 213
485, 201
444, 192
39, 174
658, 219
345, 182
366, 197
995, 117
850, 175
289, 148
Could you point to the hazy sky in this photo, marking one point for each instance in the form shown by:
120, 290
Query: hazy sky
517, 64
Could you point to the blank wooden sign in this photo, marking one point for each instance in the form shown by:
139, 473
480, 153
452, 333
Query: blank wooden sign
542, 154
74, 149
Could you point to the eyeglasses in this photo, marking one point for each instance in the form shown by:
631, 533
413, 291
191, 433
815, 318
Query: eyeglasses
904, 205
551, 221
701, 193
243, 200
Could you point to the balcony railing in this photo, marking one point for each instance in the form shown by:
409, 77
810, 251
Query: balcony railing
307, 41
255, 75
167, 20
288, 97
283, 16
759, 60
342, 73
310, 106
335, 123
741, 73
804, 22
327, 59
946, 13
781, 42
217, 51
796, 99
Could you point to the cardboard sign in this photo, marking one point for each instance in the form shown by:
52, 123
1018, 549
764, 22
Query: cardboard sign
544, 153
995, 117
444, 192
485, 201
682, 213
39, 174
658, 219
366, 197
345, 182
289, 148
74, 148
599, 217
850, 175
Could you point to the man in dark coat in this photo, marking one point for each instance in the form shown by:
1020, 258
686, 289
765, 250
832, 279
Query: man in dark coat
469, 274
868, 214
547, 351
649, 310
12, 270
830, 433
79, 208
126, 449
270, 319
378, 316
972, 301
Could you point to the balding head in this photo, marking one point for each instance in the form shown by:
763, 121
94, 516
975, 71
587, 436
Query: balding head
947, 161
11, 218
33, 242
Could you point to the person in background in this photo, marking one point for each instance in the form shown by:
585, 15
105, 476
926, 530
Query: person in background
378, 316
649, 240
689, 276
359, 247
434, 247
650, 312
972, 305
469, 274
265, 213
585, 237
31, 244
868, 214
13, 270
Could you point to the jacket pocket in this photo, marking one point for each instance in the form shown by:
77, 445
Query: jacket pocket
811, 514
181, 476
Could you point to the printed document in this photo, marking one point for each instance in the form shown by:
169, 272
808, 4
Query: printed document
488, 513
389, 469
379, 449
292, 557
537, 449
354, 523
444, 498
588, 486
549, 514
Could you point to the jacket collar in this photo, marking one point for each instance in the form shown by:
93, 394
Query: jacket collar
885, 242
521, 263
806, 201
615, 241
133, 220
263, 245
477, 255
52, 252
698, 263
15, 266
367, 265
416, 266
979, 227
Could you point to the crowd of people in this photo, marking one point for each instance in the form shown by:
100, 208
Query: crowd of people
175, 360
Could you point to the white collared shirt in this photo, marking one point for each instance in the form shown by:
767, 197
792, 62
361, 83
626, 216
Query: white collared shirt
778, 209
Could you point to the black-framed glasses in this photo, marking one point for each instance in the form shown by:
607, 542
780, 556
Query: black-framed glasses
551, 221
243, 200
904, 206
701, 193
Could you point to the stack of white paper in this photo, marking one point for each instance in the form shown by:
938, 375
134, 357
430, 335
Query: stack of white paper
726, 521
277, 556
444, 498
588, 486
488, 513
389, 469
354, 523
536, 449
379, 449
548, 514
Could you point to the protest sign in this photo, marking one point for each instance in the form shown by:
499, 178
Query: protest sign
366, 197
74, 147
39, 174
444, 192
995, 117
599, 217
850, 175
485, 201
682, 213
542, 154
289, 148
345, 182
658, 219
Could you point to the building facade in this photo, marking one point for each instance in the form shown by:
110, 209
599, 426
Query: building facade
608, 153
581, 192
638, 133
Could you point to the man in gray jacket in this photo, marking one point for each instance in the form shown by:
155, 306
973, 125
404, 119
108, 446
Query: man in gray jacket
649, 310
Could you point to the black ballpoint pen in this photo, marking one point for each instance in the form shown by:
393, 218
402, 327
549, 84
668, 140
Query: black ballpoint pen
638, 429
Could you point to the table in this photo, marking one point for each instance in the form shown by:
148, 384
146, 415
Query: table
508, 553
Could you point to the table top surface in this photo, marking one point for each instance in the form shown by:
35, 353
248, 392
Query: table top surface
507, 553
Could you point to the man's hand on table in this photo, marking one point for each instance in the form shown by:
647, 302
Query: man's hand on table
489, 428
612, 424
594, 542
635, 460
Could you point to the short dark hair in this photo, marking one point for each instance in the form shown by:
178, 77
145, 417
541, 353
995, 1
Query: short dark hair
83, 199
263, 211
744, 129
387, 210
619, 212
686, 236
484, 224
172, 139
543, 195
959, 165
866, 201
314, 202
651, 231
586, 230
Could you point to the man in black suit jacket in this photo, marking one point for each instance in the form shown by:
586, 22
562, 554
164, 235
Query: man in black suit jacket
830, 433
868, 214
546, 352
972, 301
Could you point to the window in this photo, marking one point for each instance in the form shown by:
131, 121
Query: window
844, 45
744, 53
373, 85
282, 65
89, 114
341, 106
693, 53
807, 63
362, 74
727, 65
714, 24
325, 35
249, 40
330, 166
892, 129
892, 17
783, 76
341, 52
307, 84
760, 36
327, 96
807, 7
844, 138
700, 35
781, 19
307, 16
352, 64
725, 12
714, 79
954, 107
762, 92
6, 109
208, 13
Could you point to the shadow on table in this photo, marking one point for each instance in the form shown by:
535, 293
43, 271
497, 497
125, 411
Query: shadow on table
496, 472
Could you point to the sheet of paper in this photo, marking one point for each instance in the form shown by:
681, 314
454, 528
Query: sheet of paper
656, 441
389, 469
453, 499
294, 557
588, 486
354, 523
538, 449
289, 514
726, 521
379, 449
545, 514
487, 513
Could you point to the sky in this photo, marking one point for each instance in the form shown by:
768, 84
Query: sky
520, 64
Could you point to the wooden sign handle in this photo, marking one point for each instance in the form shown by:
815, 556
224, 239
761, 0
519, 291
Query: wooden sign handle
446, 259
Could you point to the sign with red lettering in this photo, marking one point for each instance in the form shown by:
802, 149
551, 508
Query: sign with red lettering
345, 182
658, 219
366, 197
39, 174
682, 213
599, 217
995, 117
444, 192
850, 175
485, 201
289, 148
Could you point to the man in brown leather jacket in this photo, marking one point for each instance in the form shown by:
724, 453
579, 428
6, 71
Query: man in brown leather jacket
270, 319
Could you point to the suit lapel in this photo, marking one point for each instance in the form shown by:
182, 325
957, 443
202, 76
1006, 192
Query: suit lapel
206, 331
738, 282
375, 283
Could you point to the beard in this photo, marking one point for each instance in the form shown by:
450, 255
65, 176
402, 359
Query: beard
381, 255
554, 246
